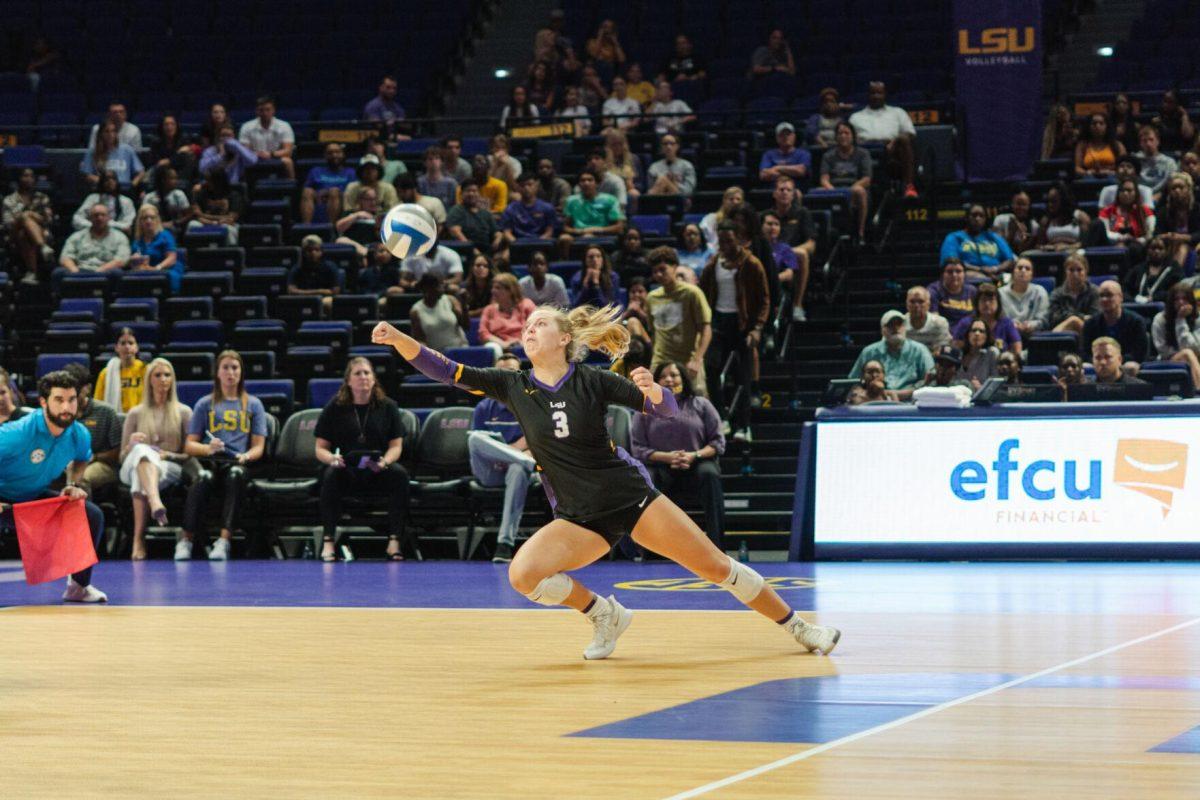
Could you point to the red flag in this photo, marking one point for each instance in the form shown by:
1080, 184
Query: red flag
55, 538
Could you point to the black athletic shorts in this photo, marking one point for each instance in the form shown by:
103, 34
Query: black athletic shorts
615, 524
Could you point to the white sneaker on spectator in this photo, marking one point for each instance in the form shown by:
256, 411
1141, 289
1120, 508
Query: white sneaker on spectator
814, 637
609, 624
219, 551
183, 550
725, 427
83, 594
743, 435
798, 314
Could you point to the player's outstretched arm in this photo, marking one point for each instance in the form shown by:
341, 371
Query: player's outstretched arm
387, 334
658, 403
429, 362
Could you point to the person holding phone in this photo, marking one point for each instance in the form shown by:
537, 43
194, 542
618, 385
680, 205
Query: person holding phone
360, 436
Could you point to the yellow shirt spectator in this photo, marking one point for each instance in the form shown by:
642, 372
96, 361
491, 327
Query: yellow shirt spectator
642, 91
132, 382
494, 191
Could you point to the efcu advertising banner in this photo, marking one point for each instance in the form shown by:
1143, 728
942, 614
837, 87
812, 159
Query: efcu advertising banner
998, 86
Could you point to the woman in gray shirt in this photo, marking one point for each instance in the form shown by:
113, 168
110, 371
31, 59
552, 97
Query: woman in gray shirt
848, 166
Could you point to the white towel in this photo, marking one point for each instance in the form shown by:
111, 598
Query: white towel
943, 397
112, 385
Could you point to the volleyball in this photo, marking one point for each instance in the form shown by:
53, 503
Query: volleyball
407, 230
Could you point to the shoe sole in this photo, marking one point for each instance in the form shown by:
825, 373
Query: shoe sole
837, 635
626, 618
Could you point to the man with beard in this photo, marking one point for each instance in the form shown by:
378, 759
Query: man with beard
325, 185
35, 450
904, 361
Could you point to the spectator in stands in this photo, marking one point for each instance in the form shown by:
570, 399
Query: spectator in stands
596, 284
171, 148
605, 46
102, 423
1150, 281
51, 432
174, 208
271, 139
1156, 167
1124, 122
639, 88
314, 276
636, 317
669, 115
550, 44
821, 128
774, 56
1060, 136
1008, 366
359, 439
731, 199
229, 429
620, 110
786, 158
671, 174
110, 155
502, 321
441, 261
610, 182
735, 285
904, 361
872, 387
787, 266
847, 166
551, 188
406, 192
1111, 321
154, 249
1002, 332
630, 259
591, 89
370, 176
693, 252
979, 355
1126, 223
218, 203
681, 319
121, 383
118, 116
590, 213
97, 249
1190, 163
575, 111
108, 193
519, 111
392, 167
890, 126
476, 292
1108, 361
1024, 302
528, 217
947, 363
1097, 152
683, 64
493, 190
383, 108
1017, 225
501, 164
28, 216
227, 154
1176, 330
152, 453
453, 163
10, 400
325, 184
470, 222
1176, 128
1070, 370
210, 131
951, 295
1178, 217
436, 183
683, 453
1063, 225
983, 253
541, 287
750, 235
1076, 300
540, 85
43, 58
380, 274
620, 161
922, 325
438, 318
799, 232
360, 227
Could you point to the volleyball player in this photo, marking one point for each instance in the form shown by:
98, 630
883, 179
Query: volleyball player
598, 492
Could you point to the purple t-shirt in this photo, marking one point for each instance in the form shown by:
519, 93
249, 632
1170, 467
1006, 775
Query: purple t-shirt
951, 306
1004, 335
785, 257
799, 157
322, 178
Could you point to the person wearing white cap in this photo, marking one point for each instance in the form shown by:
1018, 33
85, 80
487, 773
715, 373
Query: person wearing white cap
904, 361
786, 159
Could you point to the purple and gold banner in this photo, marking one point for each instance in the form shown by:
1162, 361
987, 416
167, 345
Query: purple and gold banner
998, 83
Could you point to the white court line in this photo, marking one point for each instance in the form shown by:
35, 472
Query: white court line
854, 737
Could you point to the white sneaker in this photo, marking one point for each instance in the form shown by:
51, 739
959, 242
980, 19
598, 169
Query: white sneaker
609, 625
798, 314
725, 427
743, 435
219, 551
814, 637
183, 550
83, 594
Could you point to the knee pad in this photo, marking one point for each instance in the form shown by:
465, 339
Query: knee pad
552, 591
743, 582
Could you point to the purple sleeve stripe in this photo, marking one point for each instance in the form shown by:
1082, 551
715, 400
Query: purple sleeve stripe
436, 366
666, 409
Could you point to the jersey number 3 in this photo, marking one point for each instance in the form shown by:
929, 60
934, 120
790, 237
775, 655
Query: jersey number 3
561, 431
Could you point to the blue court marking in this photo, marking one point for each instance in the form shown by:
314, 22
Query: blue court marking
1188, 742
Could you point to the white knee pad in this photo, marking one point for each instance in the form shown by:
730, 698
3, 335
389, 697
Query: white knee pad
553, 591
743, 582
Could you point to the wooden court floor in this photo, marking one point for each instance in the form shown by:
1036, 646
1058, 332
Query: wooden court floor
178, 701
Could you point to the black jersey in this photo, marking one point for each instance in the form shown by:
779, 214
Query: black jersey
583, 471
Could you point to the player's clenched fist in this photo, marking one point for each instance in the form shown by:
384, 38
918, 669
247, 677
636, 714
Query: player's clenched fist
385, 333
643, 379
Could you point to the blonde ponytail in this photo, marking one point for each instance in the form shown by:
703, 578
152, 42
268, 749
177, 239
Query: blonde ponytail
591, 328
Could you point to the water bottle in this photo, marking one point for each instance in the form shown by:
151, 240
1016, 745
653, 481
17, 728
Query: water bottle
308, 554
743, 552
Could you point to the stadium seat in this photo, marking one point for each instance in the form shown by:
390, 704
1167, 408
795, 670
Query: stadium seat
190, 392
297, 309
322, 390
306, 362
197, 335
254, 237
277, 395
217, 259
85, 286
155, 285
258, 364
176, 309
90, 305
206, 284
441, 470
51, 362
232, 309
264, 281
355, 307
337, 335
1170, 378
652, 224
190, 366
295, 470
259, 334
1045, 347
286, 257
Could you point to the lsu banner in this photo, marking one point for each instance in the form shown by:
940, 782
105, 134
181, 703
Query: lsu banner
998, 83
1023, 480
